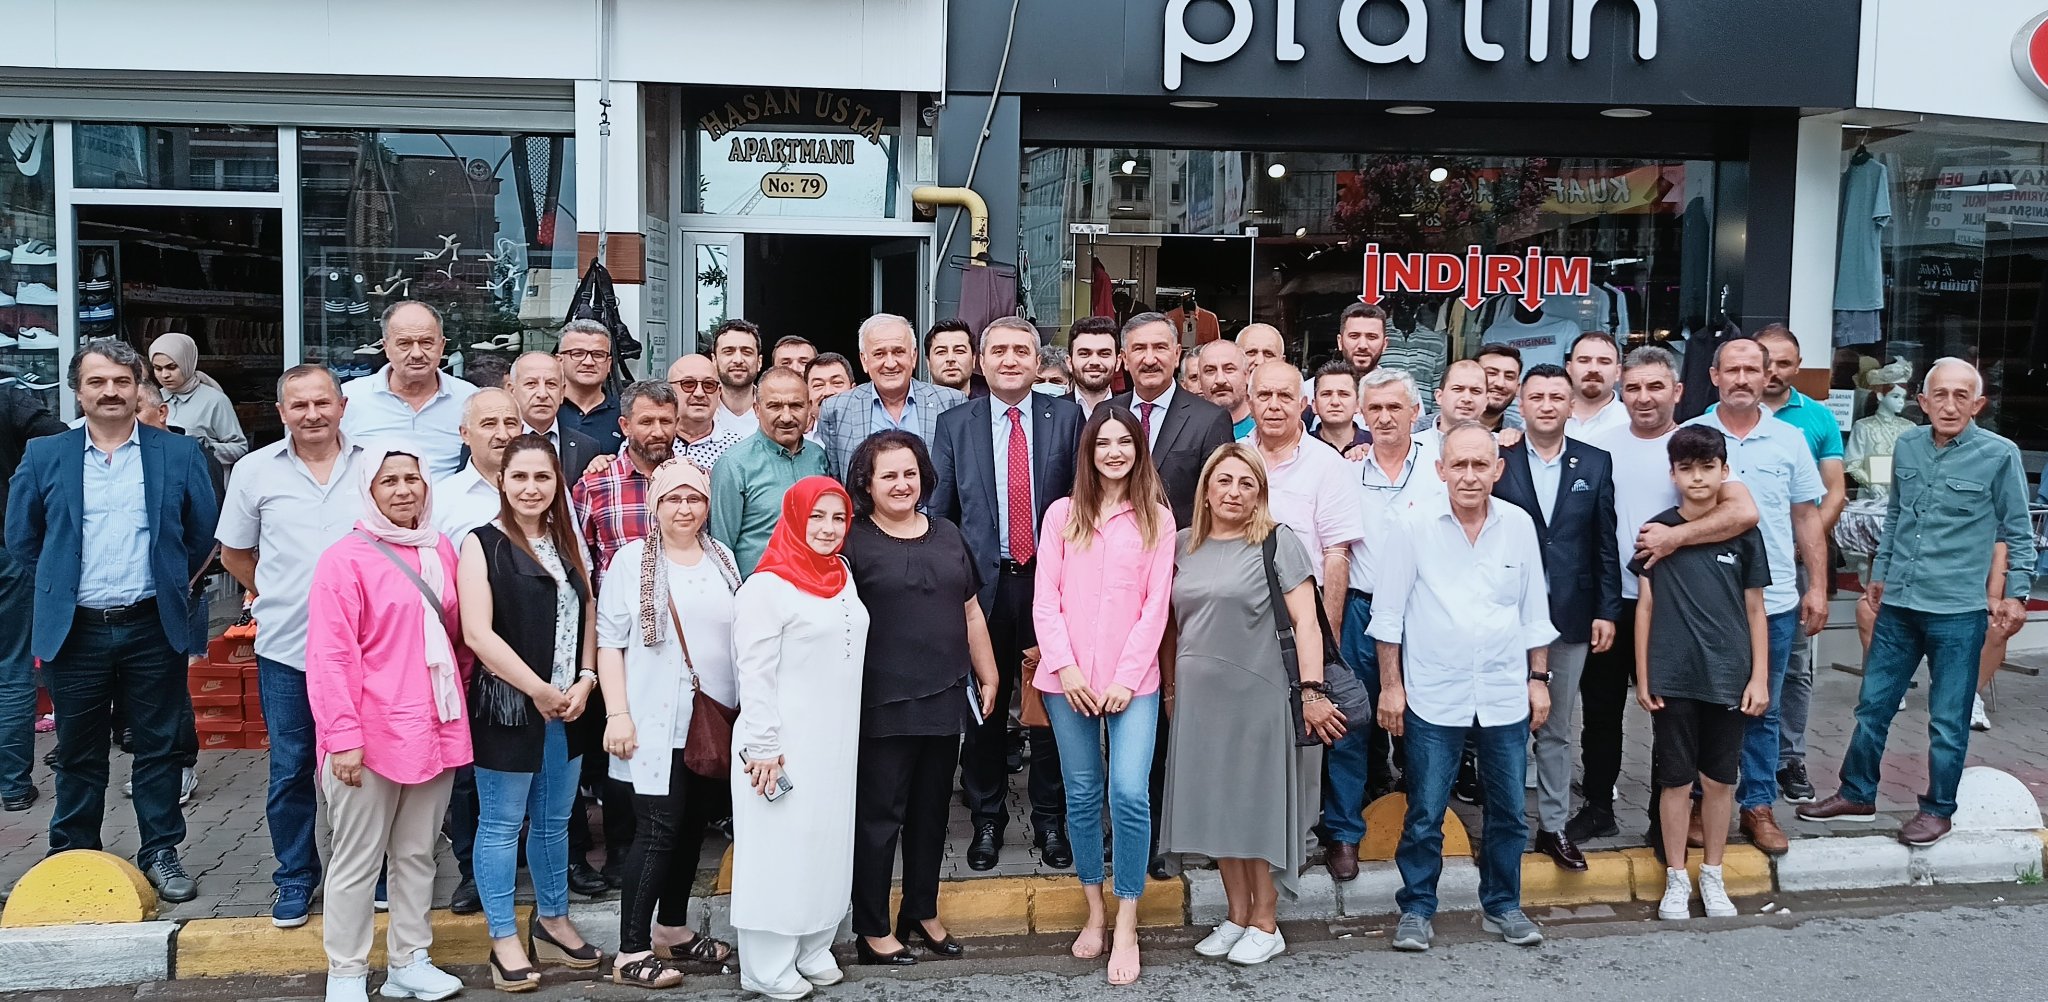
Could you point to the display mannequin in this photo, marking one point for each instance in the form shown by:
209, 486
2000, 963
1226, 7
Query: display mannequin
1874, 437
1541, 338
1196, 325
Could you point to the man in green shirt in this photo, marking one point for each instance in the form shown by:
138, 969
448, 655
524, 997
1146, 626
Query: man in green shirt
751, 477
1958, 490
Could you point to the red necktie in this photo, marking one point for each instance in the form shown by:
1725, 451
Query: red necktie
1145, 418
1022, 546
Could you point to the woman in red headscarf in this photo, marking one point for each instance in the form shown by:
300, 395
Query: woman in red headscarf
800, 636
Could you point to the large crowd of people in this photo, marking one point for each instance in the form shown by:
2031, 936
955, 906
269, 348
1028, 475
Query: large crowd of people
791, 608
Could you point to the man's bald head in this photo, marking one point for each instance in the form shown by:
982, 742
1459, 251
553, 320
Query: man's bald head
490, 421
1261, 343
1277, 375
484, 401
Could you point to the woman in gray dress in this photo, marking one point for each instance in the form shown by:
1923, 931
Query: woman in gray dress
1238, 790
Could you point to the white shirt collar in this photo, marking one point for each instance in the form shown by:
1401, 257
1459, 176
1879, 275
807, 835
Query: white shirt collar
1165, 399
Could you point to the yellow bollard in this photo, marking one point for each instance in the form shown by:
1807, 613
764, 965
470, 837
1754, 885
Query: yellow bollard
1383, 819
82, 885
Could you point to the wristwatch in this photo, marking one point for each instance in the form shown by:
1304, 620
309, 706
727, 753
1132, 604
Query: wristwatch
1540, 676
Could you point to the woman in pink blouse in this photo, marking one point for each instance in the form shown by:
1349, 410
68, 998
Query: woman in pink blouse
384, 675
1104, 578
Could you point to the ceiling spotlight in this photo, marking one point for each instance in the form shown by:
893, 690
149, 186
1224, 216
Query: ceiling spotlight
1193, 104
1407, 215
1277, 170
1626, 113
1301, 231
1130, 167
1439, 175
1410, 109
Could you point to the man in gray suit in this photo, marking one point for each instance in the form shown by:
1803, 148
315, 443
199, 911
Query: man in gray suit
890, 399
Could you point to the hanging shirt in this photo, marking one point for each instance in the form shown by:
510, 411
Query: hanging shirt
1866, 211
1541, 343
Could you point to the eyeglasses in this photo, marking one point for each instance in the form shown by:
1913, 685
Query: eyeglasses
694, 385
1407, 471
586, 354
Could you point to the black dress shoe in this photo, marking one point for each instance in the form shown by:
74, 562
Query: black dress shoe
1054, 848
22, 801
986, 848
50, 758
1591, 823
867, 956
908, 933
1467, 787
1561, 851
615, 874
586, 881
168, 876
465, 900
1158, 870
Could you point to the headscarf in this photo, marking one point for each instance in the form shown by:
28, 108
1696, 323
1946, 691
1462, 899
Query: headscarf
789, 556
184, 351
426, 541
675, 473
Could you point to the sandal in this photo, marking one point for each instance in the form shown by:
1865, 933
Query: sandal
647, 972
702, 949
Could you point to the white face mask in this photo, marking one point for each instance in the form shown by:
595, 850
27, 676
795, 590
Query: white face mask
1049, 389
1893, 403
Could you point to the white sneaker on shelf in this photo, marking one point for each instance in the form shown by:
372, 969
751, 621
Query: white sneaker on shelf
1979, 720
356, 989
1677, 903
420, 980
34, 339
373, 348
1714, 893
7, 340
1257, 947
1220, 940
34, 252
35, 294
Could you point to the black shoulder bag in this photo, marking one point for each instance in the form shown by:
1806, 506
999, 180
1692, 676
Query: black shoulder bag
1340, 683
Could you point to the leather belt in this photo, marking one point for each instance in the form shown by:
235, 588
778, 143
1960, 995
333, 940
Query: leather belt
1355, 593
145, 609
1022, 570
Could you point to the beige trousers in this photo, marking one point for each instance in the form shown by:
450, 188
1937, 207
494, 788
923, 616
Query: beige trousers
373, 821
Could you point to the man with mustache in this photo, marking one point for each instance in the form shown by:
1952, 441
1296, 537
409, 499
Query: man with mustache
536, 386
747, 486
286, 504
891, 398
1182, 428
411, 399
1091, 354
736, 350
1594, 365
1226, 379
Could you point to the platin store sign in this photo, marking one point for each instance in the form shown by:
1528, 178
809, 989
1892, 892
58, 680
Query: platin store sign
2030, 54
1412, 45
1476, 275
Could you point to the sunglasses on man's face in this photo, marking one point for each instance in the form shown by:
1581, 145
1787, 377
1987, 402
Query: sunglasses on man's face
694, 385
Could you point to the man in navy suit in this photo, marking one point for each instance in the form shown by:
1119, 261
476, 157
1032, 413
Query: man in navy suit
1001, 459
1567, 487
117, 518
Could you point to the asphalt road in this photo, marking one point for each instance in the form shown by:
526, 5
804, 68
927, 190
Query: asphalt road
1960, 943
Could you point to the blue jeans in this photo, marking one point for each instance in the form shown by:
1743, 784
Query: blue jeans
1347, 764
98, 661
291, 808
1759, 784
17, 678
504, 801
1897, 642
1433, 754
1127, 784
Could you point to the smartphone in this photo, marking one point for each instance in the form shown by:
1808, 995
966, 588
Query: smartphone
781, 787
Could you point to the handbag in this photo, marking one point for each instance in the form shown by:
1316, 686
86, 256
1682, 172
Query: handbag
1340, 683
707, 748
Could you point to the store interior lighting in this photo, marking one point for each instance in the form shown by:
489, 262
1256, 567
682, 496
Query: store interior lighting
1301, 231
1276, 171
1439, 175
1193, 104
1410, 109
1626, 113
1130, 167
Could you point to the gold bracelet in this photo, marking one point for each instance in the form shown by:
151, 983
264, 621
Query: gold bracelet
1311, 696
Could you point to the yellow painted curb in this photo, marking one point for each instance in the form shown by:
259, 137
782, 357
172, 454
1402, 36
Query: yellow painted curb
1384, 819
216, 948
1746, 871
1057, 904
80, 885
1606, 880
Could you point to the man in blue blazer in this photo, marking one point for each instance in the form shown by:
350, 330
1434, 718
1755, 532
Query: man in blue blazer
890, 398
976, 447
117, 518
1567, 487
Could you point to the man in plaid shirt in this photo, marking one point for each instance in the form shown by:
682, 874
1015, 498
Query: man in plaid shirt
611, 504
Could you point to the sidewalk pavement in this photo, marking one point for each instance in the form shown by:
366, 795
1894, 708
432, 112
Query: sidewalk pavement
228, 845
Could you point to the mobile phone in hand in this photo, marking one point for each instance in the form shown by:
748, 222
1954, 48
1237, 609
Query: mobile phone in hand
781, 786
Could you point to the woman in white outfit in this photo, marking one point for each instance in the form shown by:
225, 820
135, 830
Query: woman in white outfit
799, 637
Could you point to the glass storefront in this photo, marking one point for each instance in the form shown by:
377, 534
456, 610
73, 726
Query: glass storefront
175, 157
480, 226
1219, 240
1943, 251
29, 325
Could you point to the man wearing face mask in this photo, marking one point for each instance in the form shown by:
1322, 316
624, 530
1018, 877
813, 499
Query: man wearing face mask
411, 399
747, 486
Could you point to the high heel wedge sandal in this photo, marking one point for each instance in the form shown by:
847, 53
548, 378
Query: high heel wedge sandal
525, 979
547, 950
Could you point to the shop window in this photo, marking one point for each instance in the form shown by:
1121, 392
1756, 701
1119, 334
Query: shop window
178, 157
480, 226
29, 328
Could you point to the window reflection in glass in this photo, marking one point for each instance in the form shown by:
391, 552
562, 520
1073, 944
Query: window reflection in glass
176, 157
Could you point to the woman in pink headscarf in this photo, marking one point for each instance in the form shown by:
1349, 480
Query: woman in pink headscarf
384, 675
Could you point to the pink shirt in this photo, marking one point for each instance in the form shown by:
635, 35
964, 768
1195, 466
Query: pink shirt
366, 676
1102, 608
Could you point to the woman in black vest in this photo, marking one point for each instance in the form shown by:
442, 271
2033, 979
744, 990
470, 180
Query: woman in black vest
527, 614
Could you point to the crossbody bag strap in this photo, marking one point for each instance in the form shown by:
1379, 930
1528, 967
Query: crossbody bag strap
410, 574
1283, 625
677, 621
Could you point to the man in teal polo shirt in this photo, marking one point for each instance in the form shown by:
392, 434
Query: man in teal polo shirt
748, 483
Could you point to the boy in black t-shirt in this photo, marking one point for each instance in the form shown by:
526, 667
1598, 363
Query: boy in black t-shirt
1693, 673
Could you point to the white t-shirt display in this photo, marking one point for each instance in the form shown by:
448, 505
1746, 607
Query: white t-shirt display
1541, 343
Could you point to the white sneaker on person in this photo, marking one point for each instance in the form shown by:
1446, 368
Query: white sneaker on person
1258, 946
1677, 903
187, 783
1714, 893
1979, 720
420, 980
356, 989
1220, 940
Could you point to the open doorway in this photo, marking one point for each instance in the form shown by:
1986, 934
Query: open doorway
818, 286
1201, 282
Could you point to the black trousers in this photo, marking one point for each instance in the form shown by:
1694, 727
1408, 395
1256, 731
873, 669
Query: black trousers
1603, 691
984, 765
900, 792
661, 864
617, 798
134, 660
460, 822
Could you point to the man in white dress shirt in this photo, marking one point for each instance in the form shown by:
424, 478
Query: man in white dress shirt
1462, 397
410, 399
1461, 619
1594, 363
468, 497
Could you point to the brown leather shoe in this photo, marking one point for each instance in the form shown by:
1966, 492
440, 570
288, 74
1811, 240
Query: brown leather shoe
1924, 829
1760, 826
1839, 808
1696, 830
1342, 860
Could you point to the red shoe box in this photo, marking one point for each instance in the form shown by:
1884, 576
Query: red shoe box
219, 740
255, 736
221, 716
252, 710
225, 650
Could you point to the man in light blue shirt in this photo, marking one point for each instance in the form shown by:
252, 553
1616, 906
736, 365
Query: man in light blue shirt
1771, 458
411, 399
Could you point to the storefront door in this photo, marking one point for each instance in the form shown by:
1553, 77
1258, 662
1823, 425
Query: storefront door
818, 285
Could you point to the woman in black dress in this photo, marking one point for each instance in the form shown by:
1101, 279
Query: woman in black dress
914, 575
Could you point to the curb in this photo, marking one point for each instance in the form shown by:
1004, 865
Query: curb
86, 956
223, 947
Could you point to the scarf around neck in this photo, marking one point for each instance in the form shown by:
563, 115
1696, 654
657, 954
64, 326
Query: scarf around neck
435, 644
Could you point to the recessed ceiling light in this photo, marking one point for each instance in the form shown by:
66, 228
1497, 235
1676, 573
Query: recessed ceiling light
1407, 215
1301, 231
1123, 208
1626, 113
1439, 175
1220, 239
1258, 212
1276, 170
1193, 104
1130, 167
1410, 109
